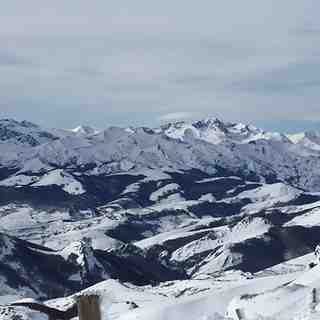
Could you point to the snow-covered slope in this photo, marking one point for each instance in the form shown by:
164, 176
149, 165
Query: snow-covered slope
278, 296
57, 177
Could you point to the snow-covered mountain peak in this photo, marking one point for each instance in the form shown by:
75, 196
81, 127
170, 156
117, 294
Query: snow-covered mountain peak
12, 122
84, 130
211, 130
24, 133
115, 133
211, 122
296, 137
308, 139
23, 126
216, 131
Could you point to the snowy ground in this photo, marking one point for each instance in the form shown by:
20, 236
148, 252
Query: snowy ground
283, 295
278, 294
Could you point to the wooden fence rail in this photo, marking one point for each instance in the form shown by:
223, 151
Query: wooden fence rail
87, 307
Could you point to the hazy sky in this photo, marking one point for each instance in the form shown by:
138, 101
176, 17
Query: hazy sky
118, 62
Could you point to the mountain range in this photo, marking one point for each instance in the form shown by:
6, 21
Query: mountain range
171, 215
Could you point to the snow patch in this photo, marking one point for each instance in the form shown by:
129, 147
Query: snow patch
19, 180
60, 178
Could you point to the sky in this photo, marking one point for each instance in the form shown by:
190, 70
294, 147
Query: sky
65, 63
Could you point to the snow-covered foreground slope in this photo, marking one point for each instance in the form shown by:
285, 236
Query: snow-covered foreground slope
277, 295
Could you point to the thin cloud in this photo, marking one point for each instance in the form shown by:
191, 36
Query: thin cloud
179, 116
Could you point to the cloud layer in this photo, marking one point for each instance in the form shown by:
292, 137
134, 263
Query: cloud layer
114, 63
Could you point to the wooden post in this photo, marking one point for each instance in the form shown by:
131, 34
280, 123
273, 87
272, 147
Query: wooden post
313, 300
314, 295
240, 314
89, 307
